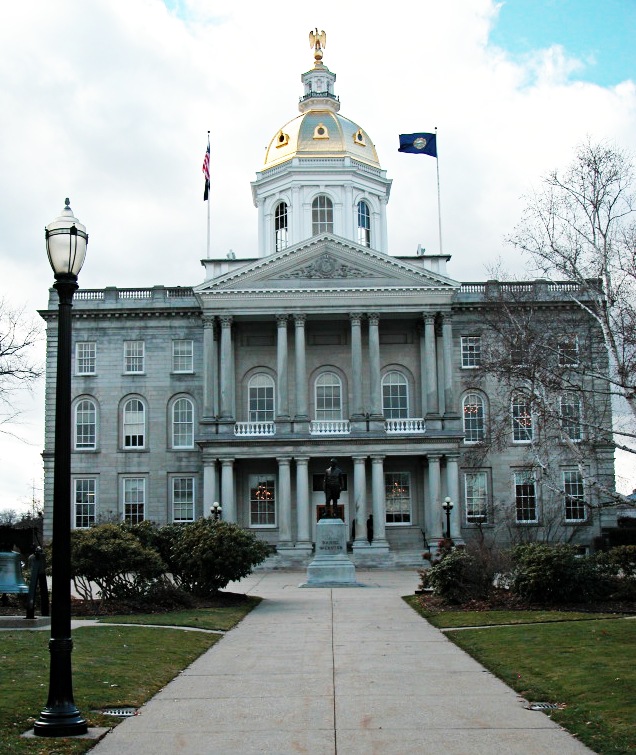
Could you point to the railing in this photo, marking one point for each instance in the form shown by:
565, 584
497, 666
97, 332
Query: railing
405, 426
179, 293
134, 293
254, 429
309, 95
329, 427
89, 295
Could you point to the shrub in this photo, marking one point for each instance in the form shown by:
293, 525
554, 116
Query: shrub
458, 577
208, 554
112, 558
553, 574
617, 567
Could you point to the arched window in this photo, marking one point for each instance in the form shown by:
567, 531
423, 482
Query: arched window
328, 397
281, 226
85, 425
364, 224
261, 398
321, 215
473, 413
522, 423
134, 424
395, 396
183, 423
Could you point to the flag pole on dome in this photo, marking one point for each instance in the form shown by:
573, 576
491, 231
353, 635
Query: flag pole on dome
206, 191
424, 144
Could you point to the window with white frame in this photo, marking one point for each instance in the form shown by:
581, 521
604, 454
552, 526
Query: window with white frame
281, 234
321, 215
85, 358
471, 351
574, 496
182, 494
395, 395
525, 497
134, 352
473, 415
85, 425
570, 412
183, 355
522, 421
328, 397
85, 497
364, 224
476, 497
568, 351
397, 486
134, 490
134, 424
262, 501
183, 423
261, 398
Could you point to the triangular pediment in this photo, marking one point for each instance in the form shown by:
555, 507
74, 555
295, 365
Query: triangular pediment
327, 262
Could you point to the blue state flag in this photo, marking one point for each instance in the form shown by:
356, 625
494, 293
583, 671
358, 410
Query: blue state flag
419, 144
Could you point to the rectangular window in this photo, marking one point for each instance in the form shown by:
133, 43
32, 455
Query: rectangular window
183, 499
568, 351
476, 497
397, 486
85, 358
134, 499
471, 351
262, 501
522, 424
518, 356
574, 492
85, 502
570, 410
133, 357
183, 356
525, 497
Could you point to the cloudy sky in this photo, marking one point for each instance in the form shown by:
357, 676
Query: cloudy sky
109, 102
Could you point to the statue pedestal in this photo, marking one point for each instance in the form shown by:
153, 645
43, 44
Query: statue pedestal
331, 566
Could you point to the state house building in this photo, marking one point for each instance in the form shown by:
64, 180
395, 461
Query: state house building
326, 344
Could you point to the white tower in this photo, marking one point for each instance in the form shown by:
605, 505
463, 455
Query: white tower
321, 175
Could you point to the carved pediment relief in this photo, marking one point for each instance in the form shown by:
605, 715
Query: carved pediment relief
327, 267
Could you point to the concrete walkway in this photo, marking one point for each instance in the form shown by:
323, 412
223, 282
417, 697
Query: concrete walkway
336, 671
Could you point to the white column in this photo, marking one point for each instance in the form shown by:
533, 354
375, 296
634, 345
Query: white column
356, 366
383, 246
282, 400
302, 409
452, 488
284, 501
349, 228
295, 219
447, 336
431, 364
228, 501
226, 367
379, 502
303, 502
209, 484
374, 367
360, 500
209, 373
433, 513
423, 374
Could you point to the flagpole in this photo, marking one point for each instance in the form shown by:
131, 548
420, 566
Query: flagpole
208, 245
439, 205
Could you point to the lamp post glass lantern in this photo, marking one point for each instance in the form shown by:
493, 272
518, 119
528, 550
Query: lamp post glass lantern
448, 507
66, 241
216, 511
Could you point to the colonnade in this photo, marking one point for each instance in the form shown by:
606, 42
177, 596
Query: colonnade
438, 397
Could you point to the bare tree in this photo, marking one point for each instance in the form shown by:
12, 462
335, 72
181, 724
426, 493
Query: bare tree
19, 369
581, 227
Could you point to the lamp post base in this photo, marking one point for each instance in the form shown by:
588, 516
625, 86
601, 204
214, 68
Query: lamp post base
60, 721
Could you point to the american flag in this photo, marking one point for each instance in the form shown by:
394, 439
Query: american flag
206, 171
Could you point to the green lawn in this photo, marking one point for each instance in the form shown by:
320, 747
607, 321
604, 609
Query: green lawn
112, 666
588, 665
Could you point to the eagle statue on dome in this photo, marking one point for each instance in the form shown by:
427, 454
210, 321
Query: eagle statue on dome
317, 40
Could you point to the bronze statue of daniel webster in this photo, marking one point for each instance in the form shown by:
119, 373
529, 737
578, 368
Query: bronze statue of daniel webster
333, 484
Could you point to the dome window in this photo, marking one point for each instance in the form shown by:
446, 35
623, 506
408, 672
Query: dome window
282, 139
321, 132
321, 215
364, 224
280, 226
358, 138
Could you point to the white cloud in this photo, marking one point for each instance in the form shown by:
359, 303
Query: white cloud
110, 101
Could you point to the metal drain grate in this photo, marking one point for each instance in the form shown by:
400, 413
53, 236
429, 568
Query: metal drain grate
122, 711
543, 706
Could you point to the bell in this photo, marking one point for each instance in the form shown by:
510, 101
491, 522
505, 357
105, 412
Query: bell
11, 579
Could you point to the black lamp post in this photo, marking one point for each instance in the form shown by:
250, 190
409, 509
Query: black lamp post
448, 507
216, 511
66, 240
